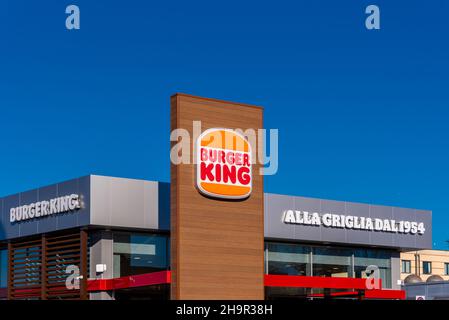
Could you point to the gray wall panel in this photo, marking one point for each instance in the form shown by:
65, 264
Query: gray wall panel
45, 224
275, 205
427, 218
116, 202
359, 210
164, 206
10, 231
273, 224
51, 223
130, 203
403, 240
124, 203
101, 252
68, 220
312, 233
26, 227
384, 238
333, 234
396, 271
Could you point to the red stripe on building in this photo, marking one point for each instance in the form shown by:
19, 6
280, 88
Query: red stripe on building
334, 294
385, 294
164, 277
315, 282
333, 283
141, 280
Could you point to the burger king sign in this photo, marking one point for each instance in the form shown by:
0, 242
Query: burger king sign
223, 167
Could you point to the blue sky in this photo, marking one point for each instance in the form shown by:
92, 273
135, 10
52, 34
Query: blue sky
362, 114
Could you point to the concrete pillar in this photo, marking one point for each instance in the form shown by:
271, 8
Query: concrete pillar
395, 270
101, 252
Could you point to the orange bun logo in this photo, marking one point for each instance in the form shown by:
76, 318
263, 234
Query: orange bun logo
223, 168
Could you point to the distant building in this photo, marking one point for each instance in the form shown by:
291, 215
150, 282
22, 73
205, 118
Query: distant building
425, 274
424, 264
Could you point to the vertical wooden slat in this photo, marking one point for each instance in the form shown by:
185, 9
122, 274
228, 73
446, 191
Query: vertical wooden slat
9, 289
83, 264
53, 253
44, 268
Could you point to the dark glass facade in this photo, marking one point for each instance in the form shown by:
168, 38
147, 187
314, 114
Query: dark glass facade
139, 253
373, 257
287, 259
3, 268
326, 261
331, 262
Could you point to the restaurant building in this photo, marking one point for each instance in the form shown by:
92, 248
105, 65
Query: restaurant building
212, 233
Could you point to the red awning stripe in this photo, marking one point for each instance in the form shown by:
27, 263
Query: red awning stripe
315, 282
333, 283
334, 294
164, 277
385, 294
141, 280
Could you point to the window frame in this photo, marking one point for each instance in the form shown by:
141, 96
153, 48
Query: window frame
129, 234
409, 264
430, 267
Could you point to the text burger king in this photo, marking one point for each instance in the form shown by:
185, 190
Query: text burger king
223, 168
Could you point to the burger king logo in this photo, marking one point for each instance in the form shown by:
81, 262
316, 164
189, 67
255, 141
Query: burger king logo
223, 168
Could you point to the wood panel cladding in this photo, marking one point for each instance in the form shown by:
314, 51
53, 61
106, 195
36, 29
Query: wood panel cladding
37, 267
217, 246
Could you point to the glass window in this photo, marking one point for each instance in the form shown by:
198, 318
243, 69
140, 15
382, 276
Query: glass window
288, 259
297, 259
426, 267
363, 258
446, 268
30, 260
332, 262
3, 268
406, 266
139, 253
